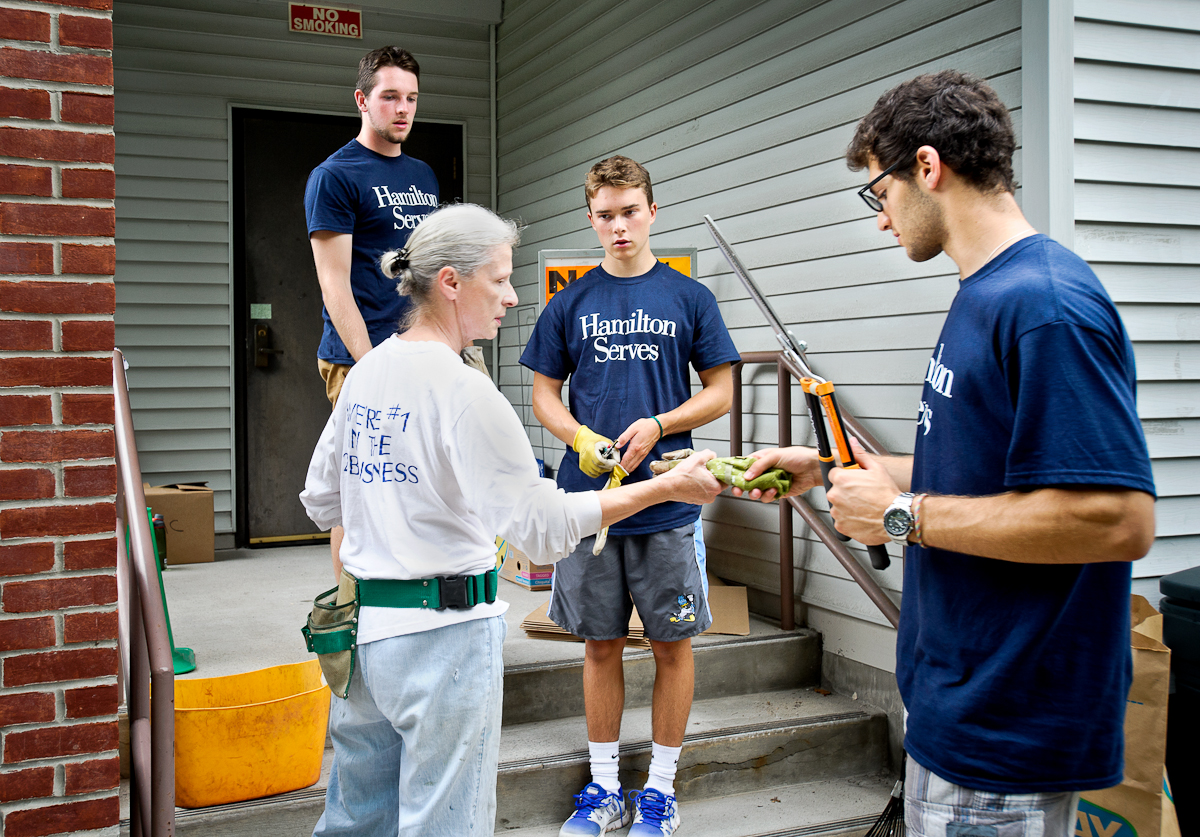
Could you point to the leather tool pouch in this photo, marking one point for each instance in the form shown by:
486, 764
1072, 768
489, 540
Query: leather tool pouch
332, 633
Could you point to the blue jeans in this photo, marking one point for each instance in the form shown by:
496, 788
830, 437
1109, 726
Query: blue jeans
417, 741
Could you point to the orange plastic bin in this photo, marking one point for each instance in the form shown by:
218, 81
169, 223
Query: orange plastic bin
249, 735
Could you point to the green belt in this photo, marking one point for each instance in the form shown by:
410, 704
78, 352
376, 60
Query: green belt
439, 593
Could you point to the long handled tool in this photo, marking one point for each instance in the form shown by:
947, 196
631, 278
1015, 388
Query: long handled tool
183, 659
818, 394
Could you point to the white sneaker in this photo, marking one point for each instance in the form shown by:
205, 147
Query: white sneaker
654, 813
596, 811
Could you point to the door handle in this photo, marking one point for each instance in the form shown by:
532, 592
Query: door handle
262, 346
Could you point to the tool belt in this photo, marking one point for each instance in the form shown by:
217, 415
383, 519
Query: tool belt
332, 629
441, 592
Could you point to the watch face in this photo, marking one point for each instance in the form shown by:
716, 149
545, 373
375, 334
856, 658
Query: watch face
897, 522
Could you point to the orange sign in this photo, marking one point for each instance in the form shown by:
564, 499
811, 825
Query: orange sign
325, 20
559, 276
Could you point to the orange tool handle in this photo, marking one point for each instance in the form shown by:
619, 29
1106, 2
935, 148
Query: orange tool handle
879, 557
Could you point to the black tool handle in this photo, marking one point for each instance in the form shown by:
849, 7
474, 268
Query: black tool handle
824, 450
880, 559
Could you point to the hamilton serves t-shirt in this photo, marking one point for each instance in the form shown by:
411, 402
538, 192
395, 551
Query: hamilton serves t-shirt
626, 343
1015, 675
379, 200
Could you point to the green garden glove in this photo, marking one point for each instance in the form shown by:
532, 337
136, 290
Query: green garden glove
732, 471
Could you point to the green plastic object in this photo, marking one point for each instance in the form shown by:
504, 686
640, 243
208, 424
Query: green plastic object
183, 660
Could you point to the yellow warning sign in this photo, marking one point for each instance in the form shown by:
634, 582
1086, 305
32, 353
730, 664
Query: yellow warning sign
557, 273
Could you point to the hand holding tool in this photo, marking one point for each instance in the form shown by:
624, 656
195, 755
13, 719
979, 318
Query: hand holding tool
597, 454
819, 395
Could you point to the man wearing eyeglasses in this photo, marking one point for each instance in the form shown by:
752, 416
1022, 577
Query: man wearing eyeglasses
1028, 495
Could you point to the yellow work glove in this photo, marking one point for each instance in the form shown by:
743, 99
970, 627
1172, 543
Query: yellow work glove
618, 474
614, 480
588, 444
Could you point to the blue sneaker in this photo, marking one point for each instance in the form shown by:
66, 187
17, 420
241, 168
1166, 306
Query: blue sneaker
654, 813
596, 811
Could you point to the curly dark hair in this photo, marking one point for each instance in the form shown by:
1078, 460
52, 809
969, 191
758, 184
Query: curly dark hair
377, 59
958, 114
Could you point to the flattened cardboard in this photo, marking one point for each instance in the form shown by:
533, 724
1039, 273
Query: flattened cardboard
187, 509
730, 612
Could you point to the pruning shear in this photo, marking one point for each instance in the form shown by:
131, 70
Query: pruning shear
819, 394
607, 453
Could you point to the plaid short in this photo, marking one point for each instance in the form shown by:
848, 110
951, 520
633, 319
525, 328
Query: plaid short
934, 807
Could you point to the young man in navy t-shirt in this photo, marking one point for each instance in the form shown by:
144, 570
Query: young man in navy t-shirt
1028, 496
362, 201
625, 333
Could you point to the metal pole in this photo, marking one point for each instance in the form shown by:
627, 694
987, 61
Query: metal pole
861, 433
822, 530
735, 413
846, 558
153, 624
787, 582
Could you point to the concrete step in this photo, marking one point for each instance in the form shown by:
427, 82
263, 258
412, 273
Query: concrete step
736, 747
842, 807
768, 660
829, 808
734, 744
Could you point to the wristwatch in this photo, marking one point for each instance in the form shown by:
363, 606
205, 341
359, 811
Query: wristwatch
898, 518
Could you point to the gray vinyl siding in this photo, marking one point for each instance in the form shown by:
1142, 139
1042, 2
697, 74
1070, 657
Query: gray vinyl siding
1137, 217
179, 65
742, 110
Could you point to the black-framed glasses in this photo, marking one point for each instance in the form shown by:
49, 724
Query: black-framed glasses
868, 196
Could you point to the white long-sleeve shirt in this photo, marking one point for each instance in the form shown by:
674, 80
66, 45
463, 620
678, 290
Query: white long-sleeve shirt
424, 462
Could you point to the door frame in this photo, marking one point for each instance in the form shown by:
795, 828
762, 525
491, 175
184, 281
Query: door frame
239, 499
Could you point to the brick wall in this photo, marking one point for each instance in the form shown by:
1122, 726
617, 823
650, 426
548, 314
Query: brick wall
58, 592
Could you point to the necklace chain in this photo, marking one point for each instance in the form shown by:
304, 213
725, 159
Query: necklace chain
1005, 241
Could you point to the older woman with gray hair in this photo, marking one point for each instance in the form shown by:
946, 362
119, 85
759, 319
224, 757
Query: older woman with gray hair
424, 462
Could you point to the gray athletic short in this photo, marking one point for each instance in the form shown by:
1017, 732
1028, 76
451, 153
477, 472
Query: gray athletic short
663, 572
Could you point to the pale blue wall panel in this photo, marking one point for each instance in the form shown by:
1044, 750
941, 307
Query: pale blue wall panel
1137, 194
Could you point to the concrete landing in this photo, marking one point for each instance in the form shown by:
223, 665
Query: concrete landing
244, 611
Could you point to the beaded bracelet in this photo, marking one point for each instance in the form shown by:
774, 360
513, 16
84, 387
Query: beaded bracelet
660, 428
918, 536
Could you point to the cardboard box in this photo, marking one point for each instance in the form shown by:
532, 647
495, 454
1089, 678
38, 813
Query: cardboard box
517, 568
187, 509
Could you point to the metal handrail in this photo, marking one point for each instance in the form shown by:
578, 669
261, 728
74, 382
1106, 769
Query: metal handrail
147, 665
787, 606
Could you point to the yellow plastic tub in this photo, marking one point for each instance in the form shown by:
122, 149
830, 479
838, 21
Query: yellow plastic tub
249, 735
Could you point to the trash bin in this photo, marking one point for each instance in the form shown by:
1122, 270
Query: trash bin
251, 735
1180, 608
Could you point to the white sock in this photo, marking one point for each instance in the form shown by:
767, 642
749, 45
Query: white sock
663, 761
603, 755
